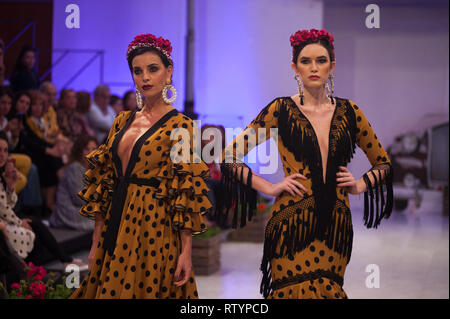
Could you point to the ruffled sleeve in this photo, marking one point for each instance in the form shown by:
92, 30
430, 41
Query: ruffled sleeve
99, 178
98, 181
183, 185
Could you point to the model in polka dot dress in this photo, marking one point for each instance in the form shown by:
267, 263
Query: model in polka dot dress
147, 203
309, 235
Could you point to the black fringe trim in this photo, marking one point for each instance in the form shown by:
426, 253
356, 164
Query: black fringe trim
374, 213
295, 227
235, 191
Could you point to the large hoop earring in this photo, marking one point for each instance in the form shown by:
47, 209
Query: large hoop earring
164, 93
300, 87
330, 91
139, 102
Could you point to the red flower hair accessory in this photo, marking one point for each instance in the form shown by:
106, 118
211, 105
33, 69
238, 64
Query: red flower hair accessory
313, 35
150, 41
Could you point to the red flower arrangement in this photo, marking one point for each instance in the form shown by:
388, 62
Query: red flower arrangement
302, 36
34, 287
149, 40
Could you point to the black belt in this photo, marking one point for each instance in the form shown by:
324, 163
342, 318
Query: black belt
117, 204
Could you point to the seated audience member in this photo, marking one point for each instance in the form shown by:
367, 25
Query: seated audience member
68, 203
101, 115
49, 113
29, 194
6, 97
214, 181
29, 237
2, 62
46, 156
116, 104
68, 120
5, 108
24, 77
21, 103
129, 101
83, 106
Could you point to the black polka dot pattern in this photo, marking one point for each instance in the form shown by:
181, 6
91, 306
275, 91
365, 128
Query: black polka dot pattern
148, 244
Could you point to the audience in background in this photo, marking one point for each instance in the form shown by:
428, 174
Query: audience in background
46, 155
2, 62
129, 101
116, 104
37, 131
21, 103
24, 77
29, 237
83, 106
68, 120
101, 115
68, 203
6, 97
49, 114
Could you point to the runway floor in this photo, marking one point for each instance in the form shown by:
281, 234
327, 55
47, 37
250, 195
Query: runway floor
410, 250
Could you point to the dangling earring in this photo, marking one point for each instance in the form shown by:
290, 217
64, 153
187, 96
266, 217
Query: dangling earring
139, 99
300, 87
330, 92
164, 93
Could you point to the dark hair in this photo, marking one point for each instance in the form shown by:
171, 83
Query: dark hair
76, 154
3, 136
13, 112
62, 95
125, 98
142, 50
113, 99
19, 64
83, 102
4, 90
17, 97
322, 42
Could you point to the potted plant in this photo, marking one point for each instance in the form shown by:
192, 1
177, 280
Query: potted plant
206, 250
34, 287
254, 229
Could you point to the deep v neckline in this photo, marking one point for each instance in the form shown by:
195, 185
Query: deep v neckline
323, 179
138, 142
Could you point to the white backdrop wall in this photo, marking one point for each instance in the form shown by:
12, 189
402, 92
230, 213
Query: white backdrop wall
397, 73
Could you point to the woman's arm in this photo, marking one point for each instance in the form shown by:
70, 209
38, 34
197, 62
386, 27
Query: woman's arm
99, 223
184, 265
239, 184
378, 180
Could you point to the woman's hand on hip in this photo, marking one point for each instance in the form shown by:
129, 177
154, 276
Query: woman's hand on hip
290, 185
346, 180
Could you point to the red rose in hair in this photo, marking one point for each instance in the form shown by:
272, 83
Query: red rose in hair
150, 40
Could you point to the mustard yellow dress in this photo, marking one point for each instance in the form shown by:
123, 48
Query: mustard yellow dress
145, 209
308, 241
